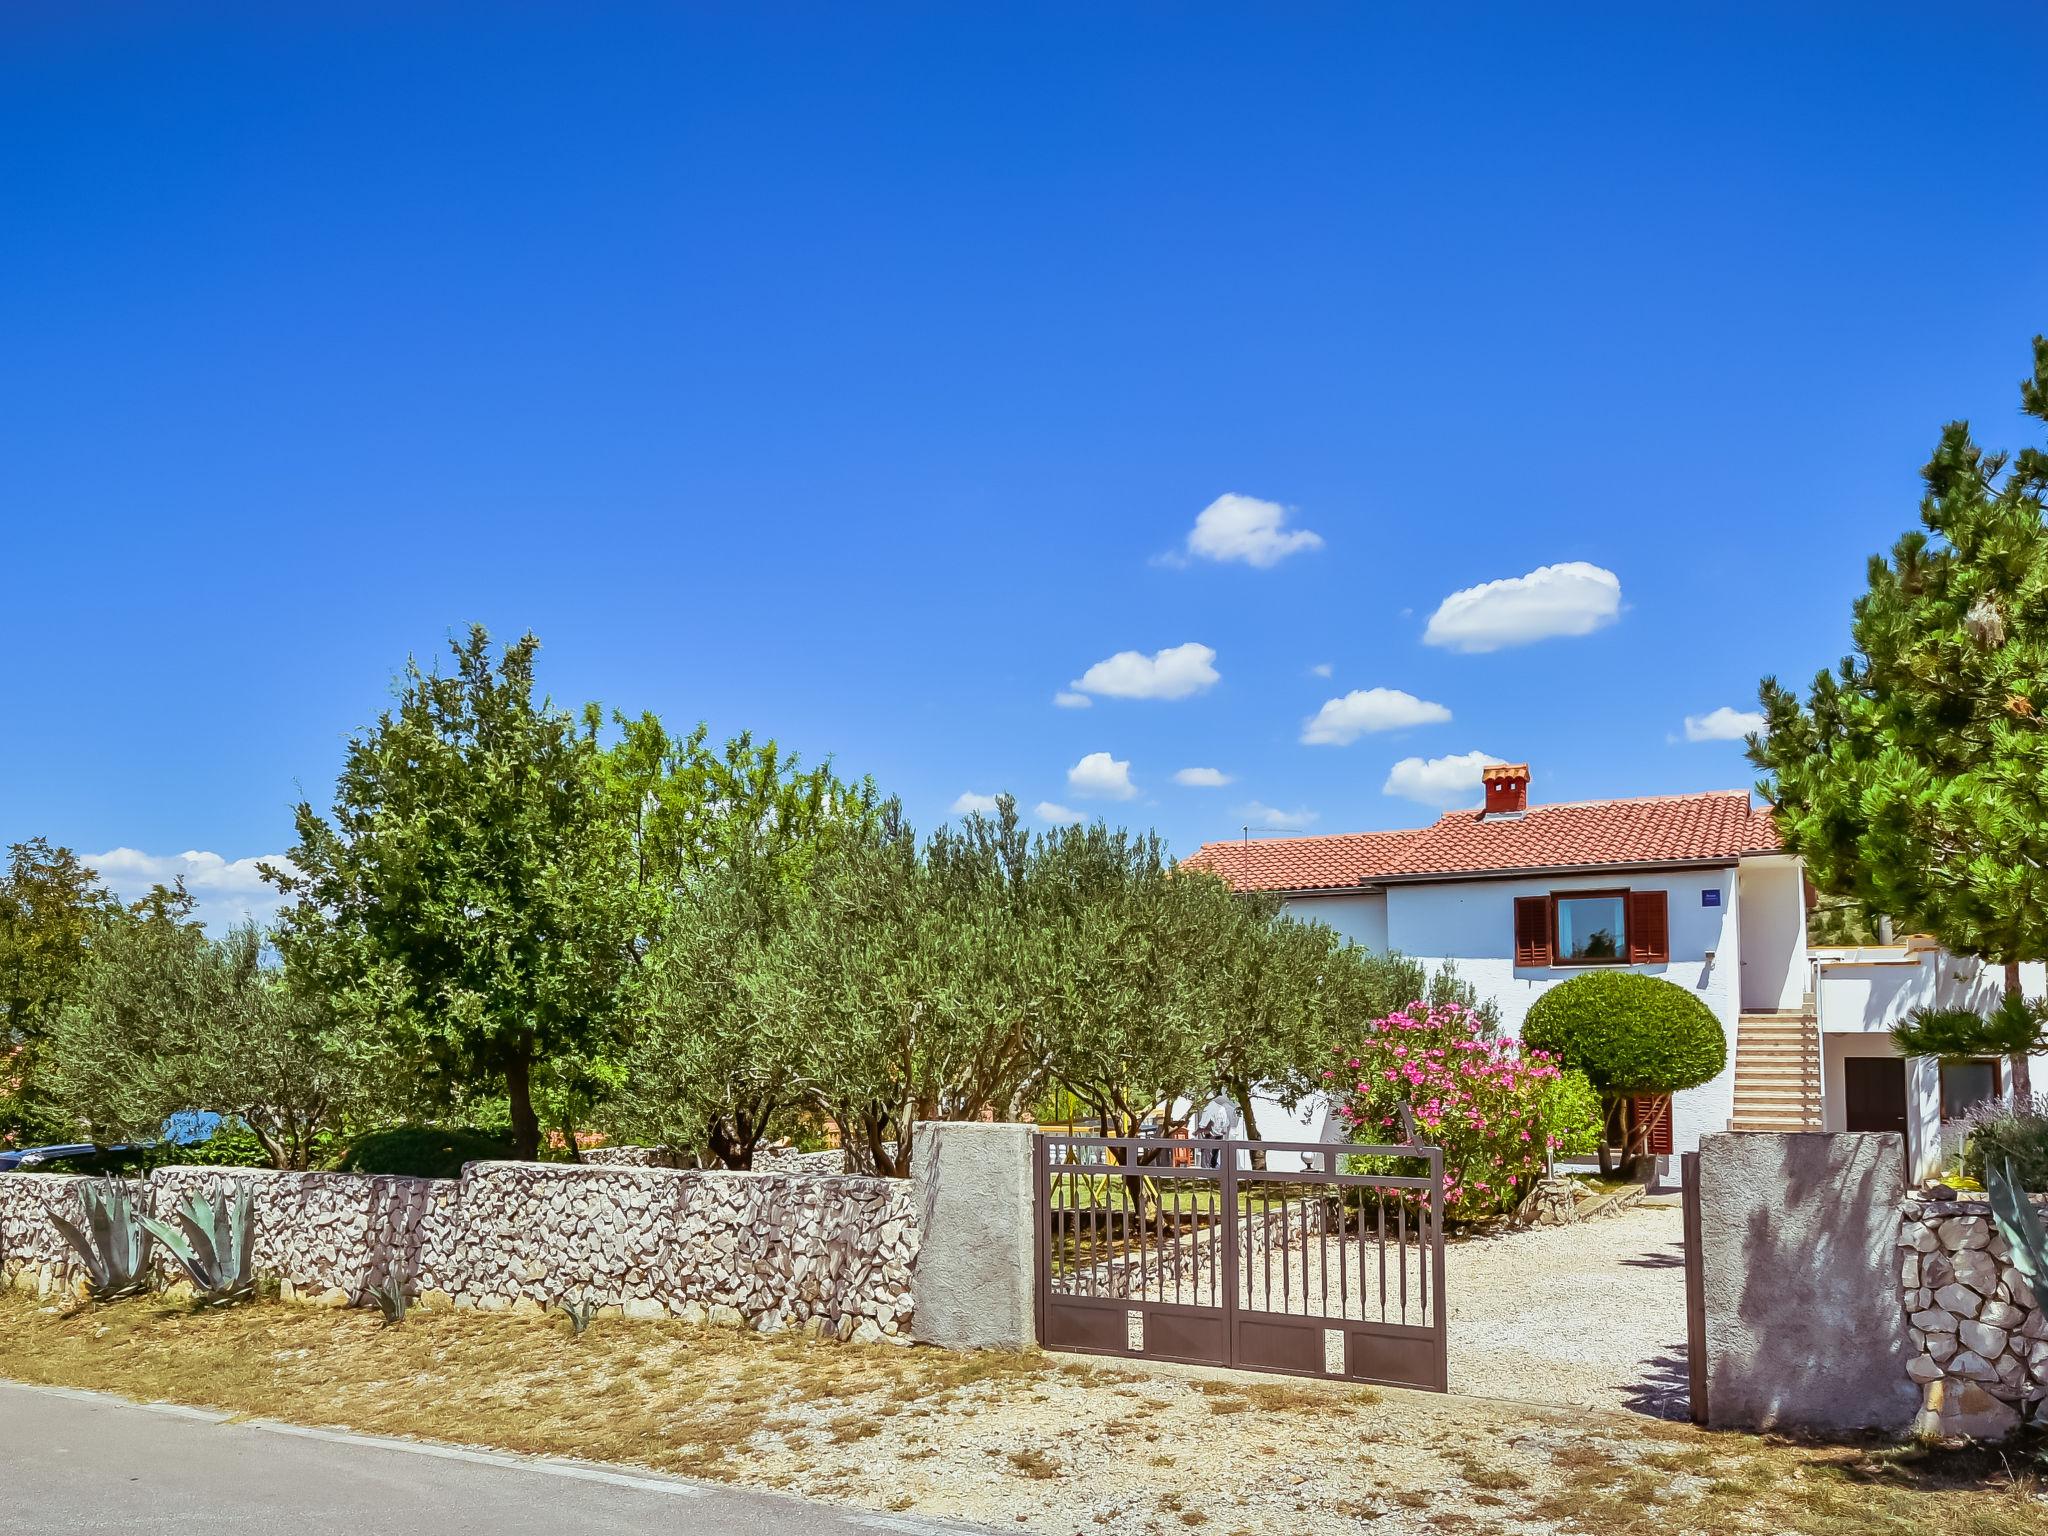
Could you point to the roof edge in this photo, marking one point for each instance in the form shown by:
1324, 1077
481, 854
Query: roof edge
1530, 871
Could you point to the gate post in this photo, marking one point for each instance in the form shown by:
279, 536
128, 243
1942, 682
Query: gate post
974, 1283
1695, 1288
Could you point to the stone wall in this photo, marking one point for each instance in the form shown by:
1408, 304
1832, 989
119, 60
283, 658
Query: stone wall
31, 1252
634, 1157
1979, 1334
766, 1159
831, 1255
327, 1236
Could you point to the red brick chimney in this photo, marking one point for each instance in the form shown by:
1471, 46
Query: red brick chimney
1507, 788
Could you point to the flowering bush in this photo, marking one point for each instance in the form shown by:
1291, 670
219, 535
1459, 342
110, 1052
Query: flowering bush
1494, 1107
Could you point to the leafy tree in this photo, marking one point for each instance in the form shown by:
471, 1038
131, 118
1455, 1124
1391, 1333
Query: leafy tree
727, 844
909, 984
1630, 1034
1267, 993
167, 1020
1913, 778
473, 893
1128, 1030
52, 907
706, 1068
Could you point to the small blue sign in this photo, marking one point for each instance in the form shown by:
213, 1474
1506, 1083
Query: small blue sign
1710, 898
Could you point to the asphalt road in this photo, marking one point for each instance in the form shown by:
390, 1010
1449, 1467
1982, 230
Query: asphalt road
78, 1462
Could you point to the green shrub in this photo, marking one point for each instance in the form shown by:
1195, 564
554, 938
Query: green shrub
1572, 1111
423, 1151
1628, 1033
234, 1145
2018, 1132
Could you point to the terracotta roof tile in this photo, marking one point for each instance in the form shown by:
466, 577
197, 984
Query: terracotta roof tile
1302, 863
1661, 829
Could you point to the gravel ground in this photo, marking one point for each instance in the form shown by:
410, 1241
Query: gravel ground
1586, 1316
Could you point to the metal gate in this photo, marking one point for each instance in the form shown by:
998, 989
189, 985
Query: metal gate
1328, 1260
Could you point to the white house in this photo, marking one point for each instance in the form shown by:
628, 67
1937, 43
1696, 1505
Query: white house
1694, 888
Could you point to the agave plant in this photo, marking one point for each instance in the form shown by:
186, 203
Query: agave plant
390, 1300
579, 1311
213, 1245
2019, 1222
113, 1243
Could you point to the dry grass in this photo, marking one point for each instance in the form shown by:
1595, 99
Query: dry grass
1079, 1448
1739, 1483
664, 1395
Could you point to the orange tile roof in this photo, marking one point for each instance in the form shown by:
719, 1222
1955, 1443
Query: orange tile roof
1302, 863
1717, 827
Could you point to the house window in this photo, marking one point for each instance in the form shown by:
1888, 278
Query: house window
1593, 928
1966, 1084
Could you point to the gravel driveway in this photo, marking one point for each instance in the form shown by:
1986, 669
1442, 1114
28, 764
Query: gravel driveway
1586, 1316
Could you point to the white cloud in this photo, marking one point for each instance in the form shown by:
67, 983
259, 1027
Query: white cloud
1058, 815
1569, 599
1173, 673
1202, 778
1321, 669
1723, 724
969, 802
1066, 698
1342, 721
1234, 527
226, 891
1274, 819
1102, 777
1443, 782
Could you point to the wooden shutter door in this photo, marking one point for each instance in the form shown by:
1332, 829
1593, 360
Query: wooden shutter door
1645, 1107
1532, 930
1649, 928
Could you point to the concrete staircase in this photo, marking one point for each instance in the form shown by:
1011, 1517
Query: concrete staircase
1777, 1071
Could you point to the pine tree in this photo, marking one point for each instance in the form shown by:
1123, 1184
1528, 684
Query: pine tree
1915, 779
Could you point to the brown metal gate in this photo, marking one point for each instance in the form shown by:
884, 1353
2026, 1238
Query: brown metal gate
1328, 1261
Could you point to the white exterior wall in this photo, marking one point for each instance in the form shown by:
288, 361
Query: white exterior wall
1868, 990
1774, 971
1861, 993
1471, 923
1360, 917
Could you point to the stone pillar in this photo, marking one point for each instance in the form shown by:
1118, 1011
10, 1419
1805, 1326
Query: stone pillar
974, 1285
1799, 1242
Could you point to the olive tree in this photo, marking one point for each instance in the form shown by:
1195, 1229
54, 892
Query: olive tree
726, 844
167, 1020
907, 986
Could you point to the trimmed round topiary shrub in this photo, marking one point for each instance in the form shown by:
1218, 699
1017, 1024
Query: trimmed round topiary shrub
423, 1151
1629, 1033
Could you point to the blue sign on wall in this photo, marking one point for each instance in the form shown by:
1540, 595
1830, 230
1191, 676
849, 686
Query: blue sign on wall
1710, 898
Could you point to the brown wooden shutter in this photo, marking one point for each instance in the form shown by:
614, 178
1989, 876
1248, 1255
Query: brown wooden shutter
1532, 930
1646, 1108
1649, 928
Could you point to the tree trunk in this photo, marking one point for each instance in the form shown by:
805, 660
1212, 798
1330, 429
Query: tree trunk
519, 1090
273, 1147
1614, 1111
2022, 1068
1243, 1095
728, 1142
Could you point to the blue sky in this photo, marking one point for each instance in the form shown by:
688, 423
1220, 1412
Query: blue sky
859, 374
